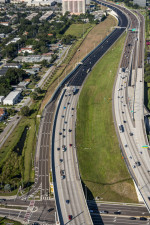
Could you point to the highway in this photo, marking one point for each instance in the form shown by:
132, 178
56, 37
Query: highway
70, 200
128, 108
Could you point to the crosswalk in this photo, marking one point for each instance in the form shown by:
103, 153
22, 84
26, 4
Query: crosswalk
45, 198
29, 212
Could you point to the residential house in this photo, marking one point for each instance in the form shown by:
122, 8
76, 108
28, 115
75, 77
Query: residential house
2, 113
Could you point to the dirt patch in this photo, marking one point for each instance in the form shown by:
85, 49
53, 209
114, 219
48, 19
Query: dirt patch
95, 36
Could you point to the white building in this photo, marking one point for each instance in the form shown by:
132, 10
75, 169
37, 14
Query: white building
27, 49
39, 2
141, 3
12, 98
12, 65
46, 16
13, 41
73, 6
31, 16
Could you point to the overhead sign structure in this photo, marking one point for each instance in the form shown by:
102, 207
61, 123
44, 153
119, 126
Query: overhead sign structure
145, 146
134, 29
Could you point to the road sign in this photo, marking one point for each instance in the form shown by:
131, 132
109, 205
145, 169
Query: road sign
145, 146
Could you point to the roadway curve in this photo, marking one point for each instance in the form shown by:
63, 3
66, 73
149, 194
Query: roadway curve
128, 108
69, 187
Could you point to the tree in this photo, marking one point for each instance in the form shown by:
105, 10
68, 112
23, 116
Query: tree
11, 112
147, 79
44, 63
7, 187
25, 111
34, 96
54, 57
38, 90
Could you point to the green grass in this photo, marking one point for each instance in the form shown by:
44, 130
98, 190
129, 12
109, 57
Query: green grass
15, 163
78, 29
4, 221
148, 98
100, 161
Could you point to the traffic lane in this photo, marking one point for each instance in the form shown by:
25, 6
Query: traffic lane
56, 140
15, 202
109, 220
68, 184
98, 52
70, 174
76, 211
14, 213
125, 210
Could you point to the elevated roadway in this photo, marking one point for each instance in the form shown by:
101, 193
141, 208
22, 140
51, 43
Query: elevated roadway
70, 200
128, 108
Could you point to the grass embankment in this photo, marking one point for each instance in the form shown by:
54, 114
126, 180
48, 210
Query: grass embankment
100, 161
94, 36
17, 153
61, 70
78, 29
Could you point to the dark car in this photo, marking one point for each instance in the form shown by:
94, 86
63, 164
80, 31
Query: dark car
58, 149
70, 145
131, 134
132, 218
49, 210
117, 212
70, 217
143, 218
138, 163
67, 201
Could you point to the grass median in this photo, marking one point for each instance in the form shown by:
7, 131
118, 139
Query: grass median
101, 164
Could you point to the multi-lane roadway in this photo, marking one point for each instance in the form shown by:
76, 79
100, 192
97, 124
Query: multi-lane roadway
70, 201
128, 99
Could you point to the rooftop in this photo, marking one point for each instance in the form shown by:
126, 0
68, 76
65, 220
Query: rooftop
12, 95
